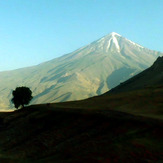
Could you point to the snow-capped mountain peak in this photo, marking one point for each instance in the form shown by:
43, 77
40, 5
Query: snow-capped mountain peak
112, 41
115, 42
115, 34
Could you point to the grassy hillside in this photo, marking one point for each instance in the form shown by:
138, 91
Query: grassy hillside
90, 130
144, 102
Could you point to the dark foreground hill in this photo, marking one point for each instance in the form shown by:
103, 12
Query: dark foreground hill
86, 131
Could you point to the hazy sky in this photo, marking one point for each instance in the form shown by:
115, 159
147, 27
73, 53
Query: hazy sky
34, 31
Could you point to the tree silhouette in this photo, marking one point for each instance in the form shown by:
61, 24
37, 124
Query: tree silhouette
21, 96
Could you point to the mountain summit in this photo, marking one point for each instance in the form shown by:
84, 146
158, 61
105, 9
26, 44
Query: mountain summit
88, 71
115, 41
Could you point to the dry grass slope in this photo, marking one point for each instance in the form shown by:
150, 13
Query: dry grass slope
89, 130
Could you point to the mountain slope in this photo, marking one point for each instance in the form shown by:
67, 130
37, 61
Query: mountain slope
141, 95
88, 71
151, 77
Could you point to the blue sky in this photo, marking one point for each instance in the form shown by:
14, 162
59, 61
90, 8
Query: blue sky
34, 31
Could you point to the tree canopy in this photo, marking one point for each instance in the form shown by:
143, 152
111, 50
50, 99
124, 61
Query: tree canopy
21, 96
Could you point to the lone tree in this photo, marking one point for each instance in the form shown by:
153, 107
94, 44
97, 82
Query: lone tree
21, 96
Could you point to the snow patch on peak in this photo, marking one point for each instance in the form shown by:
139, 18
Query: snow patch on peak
115, 34
116, 42
108, 46
135, 43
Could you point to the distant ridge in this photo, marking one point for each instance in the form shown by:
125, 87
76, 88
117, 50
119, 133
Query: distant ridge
150, 77
89, 71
